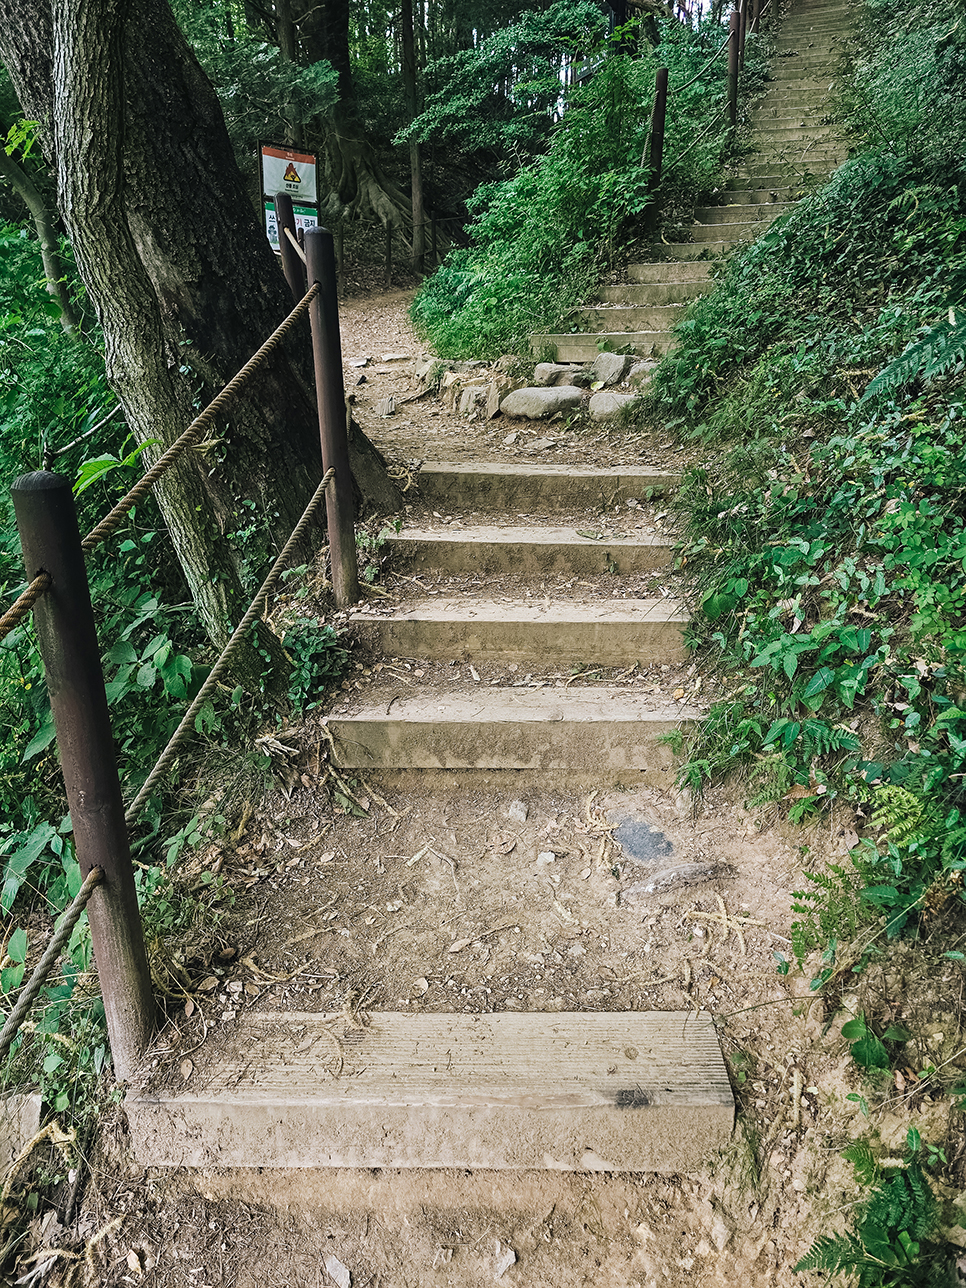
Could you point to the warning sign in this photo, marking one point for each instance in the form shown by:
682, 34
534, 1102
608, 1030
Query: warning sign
305, 217
285, 170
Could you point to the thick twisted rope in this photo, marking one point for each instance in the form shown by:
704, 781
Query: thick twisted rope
185, 727
110, 523
43, 968
676, 89
22, 605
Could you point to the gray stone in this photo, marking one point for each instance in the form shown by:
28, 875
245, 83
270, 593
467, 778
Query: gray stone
640, 373
538, 404
609, 368
641, 842
542, 444
606, 405
548, 373
385, 407
471, 398
517, 811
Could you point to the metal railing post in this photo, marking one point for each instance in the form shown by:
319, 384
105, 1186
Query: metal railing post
292, 266
330, 392
733, 24
47, 520
742, 30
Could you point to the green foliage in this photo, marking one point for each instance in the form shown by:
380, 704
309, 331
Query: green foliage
506, 90
317, 660
894, 1242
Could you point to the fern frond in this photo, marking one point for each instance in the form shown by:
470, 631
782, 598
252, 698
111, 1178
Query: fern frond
899, 812
832, 1252
939, 350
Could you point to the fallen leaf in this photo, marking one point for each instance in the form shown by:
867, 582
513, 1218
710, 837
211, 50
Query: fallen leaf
338, 1272
187, 1069
679, 693
421, 985
458, 944
209, 983
134, 1262
189, 1007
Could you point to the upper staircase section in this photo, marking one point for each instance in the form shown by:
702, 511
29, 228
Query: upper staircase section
792, 144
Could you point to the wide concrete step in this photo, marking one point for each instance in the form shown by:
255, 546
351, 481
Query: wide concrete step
660, 272
764, 133
507, 488
530, 551
585, 347
704, 249
609, 731
632, 317
654, 293
777, 196
751, 213
727, 234
617, 632
622, 1091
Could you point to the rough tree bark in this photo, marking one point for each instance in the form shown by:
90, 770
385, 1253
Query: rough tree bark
178, 266
411, 89
353, 175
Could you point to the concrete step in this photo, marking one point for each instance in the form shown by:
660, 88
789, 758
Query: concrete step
753, 212
607, 730
705, 249
585, 347
765, 184
655, 293
765, 132
614, 632
712, 234
507, 488
667, 272
632, 317
626, 1091
777, 196
529, 551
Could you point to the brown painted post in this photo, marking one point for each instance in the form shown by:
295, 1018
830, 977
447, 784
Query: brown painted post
742, 30
658, 118
47, 520
755, 16
733, 23
330, 392
292, 266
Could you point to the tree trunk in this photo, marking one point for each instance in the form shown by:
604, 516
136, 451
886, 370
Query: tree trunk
22, 184
179, 268
411, 90
353, 175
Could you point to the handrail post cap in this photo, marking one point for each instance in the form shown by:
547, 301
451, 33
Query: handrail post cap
40, 481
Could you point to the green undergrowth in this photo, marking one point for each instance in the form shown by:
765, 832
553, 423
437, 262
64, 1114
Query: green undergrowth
824, 551
540, 239
54, 396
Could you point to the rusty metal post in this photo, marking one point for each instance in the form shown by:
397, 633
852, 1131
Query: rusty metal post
44, 506
733, 23
330, 392
292, 266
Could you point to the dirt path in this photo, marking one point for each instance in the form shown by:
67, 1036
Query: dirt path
416, 895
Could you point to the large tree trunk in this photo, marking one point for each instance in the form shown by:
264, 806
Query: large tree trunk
178, 265
353, 175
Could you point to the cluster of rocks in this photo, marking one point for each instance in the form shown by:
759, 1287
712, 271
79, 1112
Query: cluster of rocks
479, 392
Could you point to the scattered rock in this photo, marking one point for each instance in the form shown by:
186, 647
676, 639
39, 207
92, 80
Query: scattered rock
386, 407
396, 357
538, 404
641, 842
496, 392
360, 362
337, 1272
542, 444
609, 368
503, 1259
449, 387
518, 811
606, 405
471, 398
640, 373
423, 371
547, 373
510, 439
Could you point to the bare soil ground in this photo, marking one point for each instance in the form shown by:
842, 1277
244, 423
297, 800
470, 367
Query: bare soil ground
434, 892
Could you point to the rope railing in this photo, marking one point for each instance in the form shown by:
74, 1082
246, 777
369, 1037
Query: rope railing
676, 89
22, 605
695, 141
110, 523
48, 961
295, 243
184, 728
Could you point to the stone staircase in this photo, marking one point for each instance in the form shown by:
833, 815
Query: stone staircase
581, 1090
628, 1090
792, 145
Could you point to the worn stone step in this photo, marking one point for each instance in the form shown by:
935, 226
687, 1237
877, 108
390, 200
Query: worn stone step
586, 346
622, 1091
527, 551
613, 732
663, 272
751, 213
632, 317
764, 184
726, 234
615, 632
764, 134
509, 488
777, 197
704, 249
655, 293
